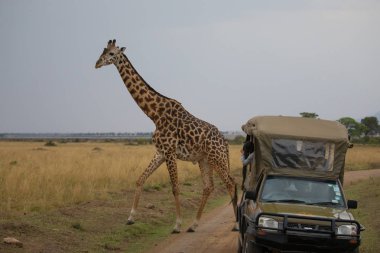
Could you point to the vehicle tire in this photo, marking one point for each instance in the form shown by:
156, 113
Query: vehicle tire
241, 221
257, 249
246, 247
240, 247
249, 247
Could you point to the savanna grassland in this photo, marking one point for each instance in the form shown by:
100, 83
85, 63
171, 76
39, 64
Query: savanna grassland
363, 157
75, 197
367, 193
36, 177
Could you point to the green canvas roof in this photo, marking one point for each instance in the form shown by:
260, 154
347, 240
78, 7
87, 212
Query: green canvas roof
295, 127
278, 138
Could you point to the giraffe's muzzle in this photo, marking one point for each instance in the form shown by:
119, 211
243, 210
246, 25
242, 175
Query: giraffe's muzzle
98, 64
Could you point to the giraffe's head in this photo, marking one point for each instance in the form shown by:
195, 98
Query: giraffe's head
110, 54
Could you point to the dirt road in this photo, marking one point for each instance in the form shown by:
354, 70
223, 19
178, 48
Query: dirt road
215, 235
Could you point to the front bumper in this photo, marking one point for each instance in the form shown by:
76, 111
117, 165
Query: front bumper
288, 238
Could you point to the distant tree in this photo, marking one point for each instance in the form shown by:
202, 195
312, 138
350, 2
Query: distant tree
309, 115
372, 124
355, 129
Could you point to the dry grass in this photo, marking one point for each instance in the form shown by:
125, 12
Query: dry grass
363, 157
36, 177
367, 193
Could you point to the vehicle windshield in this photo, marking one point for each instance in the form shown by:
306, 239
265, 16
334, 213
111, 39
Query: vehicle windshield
297, 190
301, 154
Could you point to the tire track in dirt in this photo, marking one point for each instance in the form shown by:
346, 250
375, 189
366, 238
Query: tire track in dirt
214, 232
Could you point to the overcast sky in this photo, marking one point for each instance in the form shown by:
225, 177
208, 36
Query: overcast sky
225, 61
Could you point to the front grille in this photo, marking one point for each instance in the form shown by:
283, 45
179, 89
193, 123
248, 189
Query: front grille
295, 224
308, 226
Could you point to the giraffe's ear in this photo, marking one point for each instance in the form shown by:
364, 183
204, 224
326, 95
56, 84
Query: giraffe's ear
122, 49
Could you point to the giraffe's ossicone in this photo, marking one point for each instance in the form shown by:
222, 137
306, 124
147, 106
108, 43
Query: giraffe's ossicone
178, 135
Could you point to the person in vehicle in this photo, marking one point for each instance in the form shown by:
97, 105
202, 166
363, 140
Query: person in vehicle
275, 189
323, 193
247, 156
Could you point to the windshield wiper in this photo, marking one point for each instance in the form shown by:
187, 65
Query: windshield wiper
324, 203
284, 201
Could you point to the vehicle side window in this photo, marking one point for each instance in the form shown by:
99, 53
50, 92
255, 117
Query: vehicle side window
258, 186
300, 154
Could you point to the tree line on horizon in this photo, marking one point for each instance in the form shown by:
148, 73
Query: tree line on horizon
365, 131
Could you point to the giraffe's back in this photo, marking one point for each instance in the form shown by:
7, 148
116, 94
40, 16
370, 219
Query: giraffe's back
198, 139
193, 139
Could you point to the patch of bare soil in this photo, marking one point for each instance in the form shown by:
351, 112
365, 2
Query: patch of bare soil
214, 233
353, 176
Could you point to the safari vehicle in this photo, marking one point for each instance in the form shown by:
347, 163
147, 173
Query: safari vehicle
293, 199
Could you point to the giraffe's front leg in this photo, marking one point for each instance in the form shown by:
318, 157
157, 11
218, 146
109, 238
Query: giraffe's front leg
173, 173
157, 160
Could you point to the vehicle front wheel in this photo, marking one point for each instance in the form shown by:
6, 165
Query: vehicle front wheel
240, 246
354, 251
249, 247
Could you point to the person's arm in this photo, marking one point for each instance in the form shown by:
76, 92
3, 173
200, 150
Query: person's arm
247, 160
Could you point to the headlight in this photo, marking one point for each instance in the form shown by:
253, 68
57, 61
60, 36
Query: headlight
347, 230
266, 222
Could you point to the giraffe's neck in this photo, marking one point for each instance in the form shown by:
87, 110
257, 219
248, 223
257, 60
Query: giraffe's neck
151, 102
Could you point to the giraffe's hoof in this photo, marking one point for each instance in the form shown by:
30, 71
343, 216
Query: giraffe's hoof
190, 230
235, 228
193, 227
176, 231
130, 222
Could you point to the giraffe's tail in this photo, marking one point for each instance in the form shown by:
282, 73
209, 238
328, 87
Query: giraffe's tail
235, 198
234, 201
235, 195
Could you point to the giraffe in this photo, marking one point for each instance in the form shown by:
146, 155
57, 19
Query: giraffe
178, 135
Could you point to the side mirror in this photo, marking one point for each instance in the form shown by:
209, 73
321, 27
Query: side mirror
250, 195
352, 204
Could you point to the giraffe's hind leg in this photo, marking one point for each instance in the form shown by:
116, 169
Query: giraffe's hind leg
208, 187
157, 160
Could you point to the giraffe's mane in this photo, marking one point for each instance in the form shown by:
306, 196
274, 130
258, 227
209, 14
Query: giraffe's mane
146, 83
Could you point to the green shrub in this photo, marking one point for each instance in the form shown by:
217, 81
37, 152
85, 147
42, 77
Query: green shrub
77, 226
50, 144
